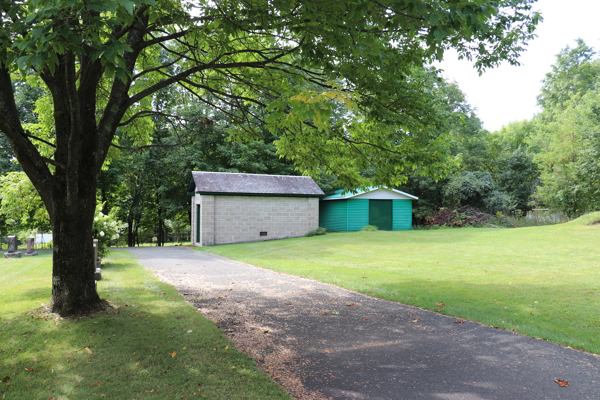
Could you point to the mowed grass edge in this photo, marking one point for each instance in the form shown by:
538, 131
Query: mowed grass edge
540, 281
153, 346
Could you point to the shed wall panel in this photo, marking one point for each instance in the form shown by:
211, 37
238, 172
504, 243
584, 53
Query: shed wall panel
358, 214
402, 212
333, 215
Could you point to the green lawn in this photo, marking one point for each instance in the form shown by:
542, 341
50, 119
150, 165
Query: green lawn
154, 346
541, 281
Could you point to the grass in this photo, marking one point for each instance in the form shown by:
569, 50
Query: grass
154, 346
539, 281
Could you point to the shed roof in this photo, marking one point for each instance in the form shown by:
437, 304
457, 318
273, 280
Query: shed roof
254, 184
345, 194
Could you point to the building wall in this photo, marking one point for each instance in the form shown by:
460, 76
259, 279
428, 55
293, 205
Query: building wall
353, 214
333, 215
193, 233
207, 220
402, 215
358, 214
238, 219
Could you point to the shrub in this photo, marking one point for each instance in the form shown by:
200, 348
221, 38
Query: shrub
106, 228
369, 228
316, 232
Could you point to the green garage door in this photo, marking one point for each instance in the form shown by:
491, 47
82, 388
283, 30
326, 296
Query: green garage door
380, 214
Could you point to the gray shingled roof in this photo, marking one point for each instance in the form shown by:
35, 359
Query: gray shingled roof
254, 184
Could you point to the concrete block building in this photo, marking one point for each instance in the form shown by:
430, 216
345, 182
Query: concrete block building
236, 208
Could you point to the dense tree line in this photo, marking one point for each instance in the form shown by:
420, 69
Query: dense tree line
551, 161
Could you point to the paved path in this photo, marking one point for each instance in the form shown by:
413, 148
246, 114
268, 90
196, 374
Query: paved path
374, 349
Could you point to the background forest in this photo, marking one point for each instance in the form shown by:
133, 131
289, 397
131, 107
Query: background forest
550, 161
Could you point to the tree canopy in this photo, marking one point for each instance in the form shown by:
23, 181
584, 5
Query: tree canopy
284, 64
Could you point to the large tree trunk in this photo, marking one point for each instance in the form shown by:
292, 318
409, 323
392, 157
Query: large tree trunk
73, 264
83, 135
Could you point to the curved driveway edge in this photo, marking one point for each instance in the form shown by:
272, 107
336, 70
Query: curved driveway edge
321, 341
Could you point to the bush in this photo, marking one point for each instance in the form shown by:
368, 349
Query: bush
317, 232
106, 228
370, 228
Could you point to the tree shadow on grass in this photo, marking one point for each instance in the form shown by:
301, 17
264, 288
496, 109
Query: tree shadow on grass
149, 345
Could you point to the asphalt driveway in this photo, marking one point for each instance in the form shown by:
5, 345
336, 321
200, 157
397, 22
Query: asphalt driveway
321, 341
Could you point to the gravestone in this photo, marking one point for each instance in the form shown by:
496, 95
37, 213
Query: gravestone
97, 270
12, 248
30, 250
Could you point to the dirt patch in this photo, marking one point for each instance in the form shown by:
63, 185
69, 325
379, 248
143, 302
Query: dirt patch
254, 338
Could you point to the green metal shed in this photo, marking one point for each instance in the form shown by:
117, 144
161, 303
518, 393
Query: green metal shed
388, 209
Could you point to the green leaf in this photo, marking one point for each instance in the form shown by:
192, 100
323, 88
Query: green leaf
122, 75
440, 33
433, 18
109, 69
23, 62
128, 5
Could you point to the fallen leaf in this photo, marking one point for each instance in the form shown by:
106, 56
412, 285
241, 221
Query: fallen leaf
266, 331
562, 383
351, 304
173, 354
96, 384
335, 312
30, 369
51, 398
364, 277
6, 379
410, 314
232, 368
324, 313
459, 321
288, 303
416, 320
149, 391
88, 350
190, 331
441, 304
137, 363
184, 348
226, 347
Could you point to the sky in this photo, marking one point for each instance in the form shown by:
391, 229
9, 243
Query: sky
508, 93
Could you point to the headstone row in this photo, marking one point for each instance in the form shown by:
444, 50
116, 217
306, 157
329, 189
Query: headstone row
12, 248
13, 253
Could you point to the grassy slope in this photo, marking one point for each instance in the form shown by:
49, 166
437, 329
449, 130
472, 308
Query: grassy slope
540, 281
124, 354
